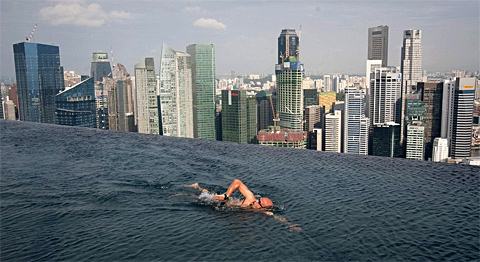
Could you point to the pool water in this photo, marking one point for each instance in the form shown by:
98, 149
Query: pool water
84, 194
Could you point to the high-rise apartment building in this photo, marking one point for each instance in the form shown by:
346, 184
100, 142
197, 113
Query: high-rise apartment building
76, 105
147, 101
333, 132
239, 117
440, 150
411, 69
415, 141
378, 44
288, 45
385, 94
176, 93
431, 93
39, 79
356, 124
463, 98
202, 61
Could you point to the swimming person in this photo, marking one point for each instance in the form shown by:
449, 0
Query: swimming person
262, 204
250, 201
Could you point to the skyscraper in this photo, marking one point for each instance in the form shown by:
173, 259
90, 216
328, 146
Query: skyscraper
120, 100
378, 44
176, 94
310, 97
333, 131
39, 78
411, 69
415, 115
289, 74
288, 45
76, 105
431, 93
386, 140
312, 117
264, 110
100, 69
462, 117
385, 94
147, 102
415, 141
356, 124
100, 66
239, 123
440, 150
202, 61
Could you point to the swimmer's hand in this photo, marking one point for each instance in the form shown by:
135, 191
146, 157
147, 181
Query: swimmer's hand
219, 197
268, 213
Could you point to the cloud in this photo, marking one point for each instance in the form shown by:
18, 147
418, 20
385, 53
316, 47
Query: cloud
79, 13
209, 23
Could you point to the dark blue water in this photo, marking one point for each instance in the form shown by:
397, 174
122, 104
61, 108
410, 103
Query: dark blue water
84, 194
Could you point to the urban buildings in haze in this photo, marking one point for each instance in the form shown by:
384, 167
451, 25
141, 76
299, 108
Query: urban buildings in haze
76, 106
146, 94
378, 44
176, 103
202, 61
100, 66
39, 79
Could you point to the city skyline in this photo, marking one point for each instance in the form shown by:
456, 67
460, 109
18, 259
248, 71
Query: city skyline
334, 35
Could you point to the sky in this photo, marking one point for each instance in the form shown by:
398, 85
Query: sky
333, 33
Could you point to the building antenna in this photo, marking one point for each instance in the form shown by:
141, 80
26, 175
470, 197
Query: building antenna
30, 36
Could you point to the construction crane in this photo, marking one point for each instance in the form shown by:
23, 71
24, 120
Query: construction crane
30, 36
276, 117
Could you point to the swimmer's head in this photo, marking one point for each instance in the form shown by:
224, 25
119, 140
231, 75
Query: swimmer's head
265, 202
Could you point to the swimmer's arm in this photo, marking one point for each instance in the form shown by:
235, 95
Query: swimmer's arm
292, 227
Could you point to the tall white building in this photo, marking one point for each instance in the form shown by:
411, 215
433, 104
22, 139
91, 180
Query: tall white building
146, 93
385, 94
356, 123
327, 83
333, 132
175, 94
415, 142
411, 68
440, 150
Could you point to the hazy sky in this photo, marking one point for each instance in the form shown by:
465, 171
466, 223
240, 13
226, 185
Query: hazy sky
333, 36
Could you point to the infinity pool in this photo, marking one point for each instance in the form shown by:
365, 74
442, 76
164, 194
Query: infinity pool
85, 194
